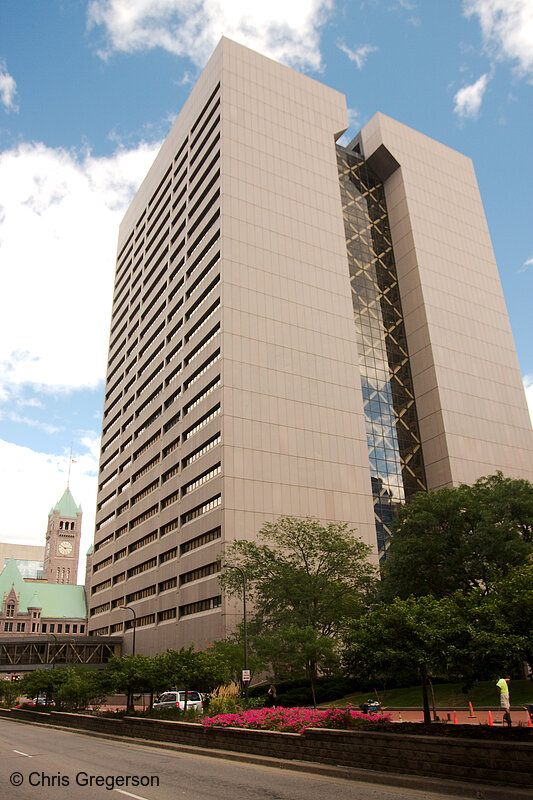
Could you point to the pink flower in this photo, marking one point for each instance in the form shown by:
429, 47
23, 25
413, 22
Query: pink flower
293, 720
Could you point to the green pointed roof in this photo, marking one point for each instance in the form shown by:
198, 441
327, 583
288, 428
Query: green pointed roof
90, 551
35, 602
55, 600
67, 505
9, 577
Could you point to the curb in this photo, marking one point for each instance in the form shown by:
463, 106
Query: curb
457, 789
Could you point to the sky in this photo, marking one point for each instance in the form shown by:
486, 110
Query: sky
88, 91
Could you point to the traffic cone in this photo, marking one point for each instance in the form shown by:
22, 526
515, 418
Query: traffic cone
400, 716
529, 723
454, 718
471, 715
490, 719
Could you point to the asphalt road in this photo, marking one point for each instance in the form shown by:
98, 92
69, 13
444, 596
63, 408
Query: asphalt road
41, 763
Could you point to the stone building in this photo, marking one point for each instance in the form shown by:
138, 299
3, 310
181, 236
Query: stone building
52, 603
32, 607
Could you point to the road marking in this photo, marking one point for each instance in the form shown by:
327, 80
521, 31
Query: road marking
22, 754
129, 794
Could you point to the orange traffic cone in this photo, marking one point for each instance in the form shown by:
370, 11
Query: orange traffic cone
454, 718
490, 719
400, 716
471, 715
529, 723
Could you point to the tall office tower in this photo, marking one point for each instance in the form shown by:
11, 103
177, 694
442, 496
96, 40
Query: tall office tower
297, 328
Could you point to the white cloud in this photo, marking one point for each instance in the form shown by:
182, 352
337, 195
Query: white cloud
468, 99
360, 55
286, 32
187, 79
59, 217
34, 482
11, 416
507, 28
526, 265
406, 5
528, 386
32, 402
8, 88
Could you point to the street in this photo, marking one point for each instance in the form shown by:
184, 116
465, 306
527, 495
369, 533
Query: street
40, 764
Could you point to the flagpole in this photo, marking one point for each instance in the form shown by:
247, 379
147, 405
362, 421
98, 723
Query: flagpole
69, 463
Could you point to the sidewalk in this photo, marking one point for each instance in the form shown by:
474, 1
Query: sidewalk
463, 715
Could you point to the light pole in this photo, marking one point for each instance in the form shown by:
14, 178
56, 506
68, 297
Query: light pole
129, 608
244, 629
54, 658
129, 701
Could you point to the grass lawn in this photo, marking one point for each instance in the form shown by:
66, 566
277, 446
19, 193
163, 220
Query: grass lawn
483, 693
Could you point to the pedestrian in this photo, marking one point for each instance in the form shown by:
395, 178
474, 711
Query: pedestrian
505, 699
271, 697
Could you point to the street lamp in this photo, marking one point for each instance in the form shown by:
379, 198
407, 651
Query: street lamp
129, 608
55, 654
244, 630
129, 700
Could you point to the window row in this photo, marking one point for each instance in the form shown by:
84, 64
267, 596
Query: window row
169, 555
110, 392
187, 434
125, 263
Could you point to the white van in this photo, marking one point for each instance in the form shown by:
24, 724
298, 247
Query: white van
177, 700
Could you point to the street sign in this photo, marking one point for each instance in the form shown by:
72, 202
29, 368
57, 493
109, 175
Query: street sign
246, 676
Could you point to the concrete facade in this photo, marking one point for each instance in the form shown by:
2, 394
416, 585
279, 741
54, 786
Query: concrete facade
234, 384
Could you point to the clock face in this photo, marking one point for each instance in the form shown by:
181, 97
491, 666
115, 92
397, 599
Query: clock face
65, 548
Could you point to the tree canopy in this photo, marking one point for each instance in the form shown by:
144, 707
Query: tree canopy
465, 636
304, 579
460, 538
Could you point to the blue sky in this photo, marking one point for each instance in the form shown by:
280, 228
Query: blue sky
88, 90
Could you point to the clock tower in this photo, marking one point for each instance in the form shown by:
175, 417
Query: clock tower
62, 549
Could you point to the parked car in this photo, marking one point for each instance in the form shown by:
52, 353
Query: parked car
41, 703
177, 700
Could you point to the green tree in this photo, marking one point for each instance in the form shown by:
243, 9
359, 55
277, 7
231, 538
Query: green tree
303, 579
71, 687
37, 683
464, 636
9, 691
76, 687
460, 538
510, 601
231, 651
397, 639
129, 674
188, 669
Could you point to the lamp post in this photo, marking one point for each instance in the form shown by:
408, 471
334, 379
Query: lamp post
54, 658
244, 629
129, 701
129, 608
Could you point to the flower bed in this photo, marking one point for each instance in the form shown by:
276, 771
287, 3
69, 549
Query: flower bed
295, 720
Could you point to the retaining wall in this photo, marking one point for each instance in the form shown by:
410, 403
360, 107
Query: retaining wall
504, 763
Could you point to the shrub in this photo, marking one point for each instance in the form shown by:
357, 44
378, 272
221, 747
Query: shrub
224, 699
